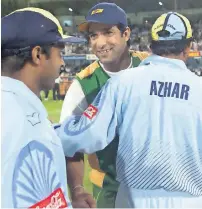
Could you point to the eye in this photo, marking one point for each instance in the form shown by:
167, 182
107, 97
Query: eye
109, 33
93, 36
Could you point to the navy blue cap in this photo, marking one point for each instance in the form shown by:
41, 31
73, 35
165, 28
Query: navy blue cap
107, 13
30, 27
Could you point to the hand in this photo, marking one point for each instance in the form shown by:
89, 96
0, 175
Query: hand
82, 199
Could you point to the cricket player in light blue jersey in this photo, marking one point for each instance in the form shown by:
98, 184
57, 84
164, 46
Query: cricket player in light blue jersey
33, 172
156, 110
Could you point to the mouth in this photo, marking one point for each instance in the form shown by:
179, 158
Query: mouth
103, 52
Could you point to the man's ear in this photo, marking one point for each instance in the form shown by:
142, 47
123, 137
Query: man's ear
36, 55
127, 33
187, 49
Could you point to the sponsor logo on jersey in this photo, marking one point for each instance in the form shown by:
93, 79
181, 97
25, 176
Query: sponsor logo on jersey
90, 112
55, 200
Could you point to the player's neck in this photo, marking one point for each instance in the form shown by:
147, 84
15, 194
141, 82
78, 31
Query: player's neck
177, 57
27, 78
182, 56
120, 64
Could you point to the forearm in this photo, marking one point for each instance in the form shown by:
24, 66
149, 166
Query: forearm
75, 172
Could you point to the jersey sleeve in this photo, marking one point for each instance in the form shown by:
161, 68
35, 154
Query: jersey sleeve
95, 128
74, 102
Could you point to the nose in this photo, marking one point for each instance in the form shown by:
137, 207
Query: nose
62, 62
101, 41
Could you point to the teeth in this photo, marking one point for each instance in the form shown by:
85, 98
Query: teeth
104, 51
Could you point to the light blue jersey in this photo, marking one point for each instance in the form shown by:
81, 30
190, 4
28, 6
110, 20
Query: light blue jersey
156, 109
33, 172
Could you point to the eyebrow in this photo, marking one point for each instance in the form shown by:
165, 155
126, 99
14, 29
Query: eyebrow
103, 30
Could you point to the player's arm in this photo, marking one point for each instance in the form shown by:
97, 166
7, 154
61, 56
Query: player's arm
75, 103
96, 127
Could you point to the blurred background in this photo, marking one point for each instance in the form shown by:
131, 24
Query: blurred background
141, 15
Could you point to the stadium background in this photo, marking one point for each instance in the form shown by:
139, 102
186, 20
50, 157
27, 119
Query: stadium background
141, 15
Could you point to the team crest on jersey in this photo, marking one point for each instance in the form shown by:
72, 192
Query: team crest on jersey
90, 112
55, 200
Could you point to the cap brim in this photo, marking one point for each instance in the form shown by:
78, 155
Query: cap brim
72, 39
83, 26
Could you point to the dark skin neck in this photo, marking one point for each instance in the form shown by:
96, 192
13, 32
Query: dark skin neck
182, 56
120, 64
178, 57
28, 77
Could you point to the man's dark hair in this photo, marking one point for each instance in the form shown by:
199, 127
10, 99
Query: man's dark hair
14, 63
122, 28
169, 47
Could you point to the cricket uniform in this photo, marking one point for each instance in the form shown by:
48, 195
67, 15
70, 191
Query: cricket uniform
103, 163
33, 170
156, 110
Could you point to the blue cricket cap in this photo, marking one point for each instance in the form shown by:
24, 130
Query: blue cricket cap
106, 13
30, 27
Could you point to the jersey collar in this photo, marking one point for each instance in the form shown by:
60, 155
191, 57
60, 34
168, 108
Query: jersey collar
18, 88
176, 63
113, 73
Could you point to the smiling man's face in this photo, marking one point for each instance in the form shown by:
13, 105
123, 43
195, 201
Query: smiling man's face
107, 41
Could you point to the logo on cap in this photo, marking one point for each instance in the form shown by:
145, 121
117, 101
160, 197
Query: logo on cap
96, 11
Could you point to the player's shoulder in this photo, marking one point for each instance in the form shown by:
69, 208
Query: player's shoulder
12, 111
89, 70
139, 54
74, 89
133, 72
193, 78
12, 117
10, 104
128, 76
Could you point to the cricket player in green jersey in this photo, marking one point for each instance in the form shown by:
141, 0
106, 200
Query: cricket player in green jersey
109, 37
